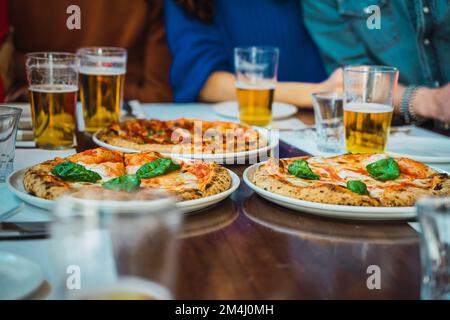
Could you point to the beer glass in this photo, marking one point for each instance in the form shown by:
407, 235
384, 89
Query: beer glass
434, 217
256, 71
102, 78
368, 107
53, 86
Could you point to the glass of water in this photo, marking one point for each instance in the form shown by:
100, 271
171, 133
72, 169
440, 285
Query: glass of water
434, 217
328, 114
115, 245
9, 122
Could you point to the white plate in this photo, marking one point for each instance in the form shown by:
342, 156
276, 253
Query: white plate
229, 158
230, 109
19, 276
330, 210
424, 149
15, 185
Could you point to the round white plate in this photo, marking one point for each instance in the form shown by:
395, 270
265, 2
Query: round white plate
424, 149
19, 276
15, 185
230, 109
330, 210
232, 157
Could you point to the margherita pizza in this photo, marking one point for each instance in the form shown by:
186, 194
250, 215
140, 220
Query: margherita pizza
182, 136
112, 170
355, 180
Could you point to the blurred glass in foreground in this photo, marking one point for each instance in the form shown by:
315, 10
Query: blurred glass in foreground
53, 86
434, 217
368, 106
328, 115
102, 80
9, 122
114, 245
256, 71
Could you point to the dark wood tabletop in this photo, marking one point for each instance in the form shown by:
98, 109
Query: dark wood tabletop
249, 248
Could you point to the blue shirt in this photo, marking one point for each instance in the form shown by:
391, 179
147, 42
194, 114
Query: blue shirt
413, 36
198, 48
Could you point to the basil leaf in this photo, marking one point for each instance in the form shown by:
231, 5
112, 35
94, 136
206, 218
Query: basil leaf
358, 187
69, 171
127, 182
384, 169
156, 168
301, 169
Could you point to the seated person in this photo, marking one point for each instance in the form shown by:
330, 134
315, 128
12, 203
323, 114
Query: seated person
6, 51
138, 27
202, 36
413, 38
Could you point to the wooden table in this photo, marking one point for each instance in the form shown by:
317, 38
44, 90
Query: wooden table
249, 248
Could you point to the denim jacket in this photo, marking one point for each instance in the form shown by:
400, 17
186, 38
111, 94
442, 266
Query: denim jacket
414, 36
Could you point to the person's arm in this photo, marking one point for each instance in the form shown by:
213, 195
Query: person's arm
197, 53
433, 103
150, 82
220, 86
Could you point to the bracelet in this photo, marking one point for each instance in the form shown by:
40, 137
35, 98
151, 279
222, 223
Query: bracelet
406, 106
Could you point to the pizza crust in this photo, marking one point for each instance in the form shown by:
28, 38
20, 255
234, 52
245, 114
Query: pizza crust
330, 193
324, 193
218, 181
113, 138
39, 181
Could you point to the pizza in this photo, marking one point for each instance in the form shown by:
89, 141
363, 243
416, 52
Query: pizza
352, 179
182, 136
102, 169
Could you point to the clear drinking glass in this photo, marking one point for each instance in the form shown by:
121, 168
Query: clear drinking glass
53, 85
116, 246
434, 218
256, 71
368, 106
102, 80
328, 114
9, 122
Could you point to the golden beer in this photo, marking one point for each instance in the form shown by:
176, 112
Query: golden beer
367, 127
255, 104
101, 96
53, 115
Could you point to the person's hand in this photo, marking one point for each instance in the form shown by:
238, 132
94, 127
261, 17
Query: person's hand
335, 81
433, 103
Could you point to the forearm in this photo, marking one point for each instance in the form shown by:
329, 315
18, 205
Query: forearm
220, 86
298, 94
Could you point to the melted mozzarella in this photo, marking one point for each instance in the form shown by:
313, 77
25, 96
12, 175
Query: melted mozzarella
101, 169
132, 169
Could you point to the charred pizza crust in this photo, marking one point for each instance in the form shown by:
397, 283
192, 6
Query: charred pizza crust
39, 181
218, 181
335, 193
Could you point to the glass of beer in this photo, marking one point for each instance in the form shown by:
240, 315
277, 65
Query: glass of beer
368, 107
102, 78
256, 71
53, 86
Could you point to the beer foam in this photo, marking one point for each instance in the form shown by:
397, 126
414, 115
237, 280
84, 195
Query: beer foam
104, 71
255, 86
368, 107
53, 88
